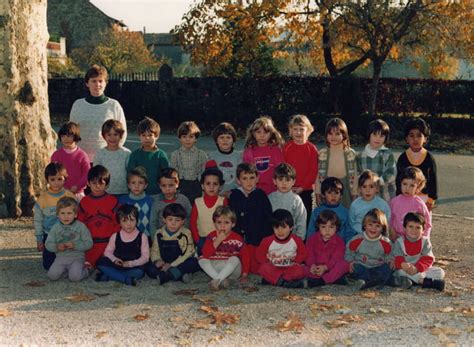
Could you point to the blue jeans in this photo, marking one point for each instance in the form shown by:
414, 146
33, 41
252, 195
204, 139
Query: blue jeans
372, 276
115, 273
48, 257
190, 265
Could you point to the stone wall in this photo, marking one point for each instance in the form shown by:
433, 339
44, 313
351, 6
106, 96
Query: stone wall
26, 137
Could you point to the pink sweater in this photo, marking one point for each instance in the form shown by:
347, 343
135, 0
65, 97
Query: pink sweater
266, 159
401, 205
77, 164
129, 237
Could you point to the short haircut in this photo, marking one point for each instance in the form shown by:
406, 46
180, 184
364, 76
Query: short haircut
212, 171
66, 201
96, 71
70, 129
99, 173
174, 210
169, 173
222, 129
188, 128
148, 125
377, 216
246, 168
414, 217
301, 120
328, 216
139, 171
112, 124
224, 211
413, 173
281, 218
417, 123
339, 124
368, 175
126, 212
378, 126
332, 184
55, 168
284, 170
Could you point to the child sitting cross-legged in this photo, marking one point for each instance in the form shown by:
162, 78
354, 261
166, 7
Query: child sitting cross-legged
172, 252
69, 239
325, 263
413, 257
224, 255
126, 252
368, 253
281, 255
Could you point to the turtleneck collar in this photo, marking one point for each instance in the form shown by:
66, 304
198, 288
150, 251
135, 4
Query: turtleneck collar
96, 100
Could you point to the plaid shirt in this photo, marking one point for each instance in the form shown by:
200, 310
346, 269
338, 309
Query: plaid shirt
384, 165
189, 162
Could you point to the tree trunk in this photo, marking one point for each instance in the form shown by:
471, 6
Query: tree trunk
26, 137
377, 66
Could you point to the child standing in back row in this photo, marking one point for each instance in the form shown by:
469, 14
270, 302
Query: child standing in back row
379, 159
189, 160
300, 153
416, 135
74, 159
263, 149
338, 160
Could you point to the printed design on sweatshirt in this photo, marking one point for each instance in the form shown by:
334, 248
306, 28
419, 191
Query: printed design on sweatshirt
282, 254
262, 163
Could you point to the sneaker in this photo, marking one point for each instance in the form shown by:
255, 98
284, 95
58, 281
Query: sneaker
293, 284
265, 282
186, 278
134, 282
435, 284
213, 285
359, 284
224, 284
405, 282
315, 282
343, 281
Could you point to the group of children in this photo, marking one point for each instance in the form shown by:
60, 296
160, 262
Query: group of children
232, 214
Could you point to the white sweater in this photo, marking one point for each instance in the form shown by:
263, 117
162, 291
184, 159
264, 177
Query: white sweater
91, 117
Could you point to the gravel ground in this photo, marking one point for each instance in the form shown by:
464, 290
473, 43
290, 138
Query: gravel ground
35, 311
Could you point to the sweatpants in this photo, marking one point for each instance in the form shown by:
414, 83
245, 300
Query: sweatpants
433, 272
254, 264
374, 276
72, 266
332, 275
272, 273
221, 269
174, 273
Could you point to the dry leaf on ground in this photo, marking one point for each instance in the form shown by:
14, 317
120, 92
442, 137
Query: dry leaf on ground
442, 263
204, 323
327, 297
446, 309
215, 338
190, 291
141, 317
5, 313
450, 293
369, 295
220, 318
35, 284
100, 334
447, 258
251, 289
378, 310
206, 300
291, 297
445, 331
80, 297
468, 312
343, 320
293, 323
209, 309
177, 319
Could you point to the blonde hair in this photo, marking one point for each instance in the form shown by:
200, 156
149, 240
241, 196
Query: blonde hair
301, 120
339, 124
267, 124
377, 216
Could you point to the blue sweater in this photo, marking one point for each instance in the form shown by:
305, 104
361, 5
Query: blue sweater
345, 231
360, 207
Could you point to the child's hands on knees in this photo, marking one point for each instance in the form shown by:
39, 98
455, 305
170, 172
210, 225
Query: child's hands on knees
126, 264
118, 262
69, 245
165, 267
61, 247
159, 263
40, 246
351, 267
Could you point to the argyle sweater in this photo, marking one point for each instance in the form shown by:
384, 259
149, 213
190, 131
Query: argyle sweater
144, 204
368, 252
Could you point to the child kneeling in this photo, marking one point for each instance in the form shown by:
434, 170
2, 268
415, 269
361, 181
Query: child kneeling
325, 263
126, 252
68, 239
413, 257
172, 252
281, 255
224, 255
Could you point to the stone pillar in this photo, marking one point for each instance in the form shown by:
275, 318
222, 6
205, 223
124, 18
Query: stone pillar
26, 137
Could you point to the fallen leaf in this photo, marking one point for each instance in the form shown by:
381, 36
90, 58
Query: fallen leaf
220, 318
177, 309
352, 318
141, 317
444, 330
290, 297
293, 323
190, 291
100, 334
454, 259
343, 320
442, 263
5, 313
209, 309
327, 297
451, 293
80, 297
101, 294
35, 284
369, 295
201, 323
446, 309
206, 300
468, 312
176, 319
215, 338
378, 310
250, 289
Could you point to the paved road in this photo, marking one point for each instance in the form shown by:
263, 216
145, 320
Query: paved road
456, 174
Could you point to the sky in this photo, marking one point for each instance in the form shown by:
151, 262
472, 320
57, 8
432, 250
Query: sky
157, 16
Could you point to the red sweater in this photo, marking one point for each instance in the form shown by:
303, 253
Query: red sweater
98, 214
304, 158
281, 252
209, 201
233, 245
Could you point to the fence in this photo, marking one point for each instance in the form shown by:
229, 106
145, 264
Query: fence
136, 76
